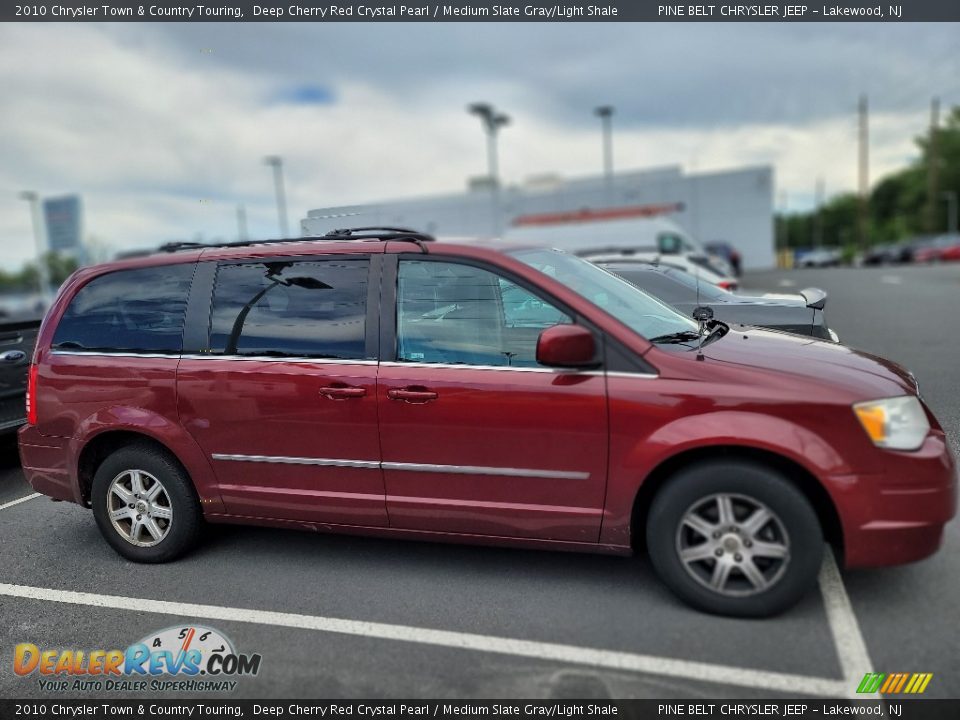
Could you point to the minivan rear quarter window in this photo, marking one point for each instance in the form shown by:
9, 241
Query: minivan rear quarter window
139, 311
312, 309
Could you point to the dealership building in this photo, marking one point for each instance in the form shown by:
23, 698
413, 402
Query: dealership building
732, 205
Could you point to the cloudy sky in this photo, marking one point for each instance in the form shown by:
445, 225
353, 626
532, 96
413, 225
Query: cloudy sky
162, 128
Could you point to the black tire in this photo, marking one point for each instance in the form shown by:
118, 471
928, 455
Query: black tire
794, 526
182, 530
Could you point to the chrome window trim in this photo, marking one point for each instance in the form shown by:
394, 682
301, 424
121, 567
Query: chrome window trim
193, 356
462, 366
337, 361
555, 371
412, 467
112, 353
269, 358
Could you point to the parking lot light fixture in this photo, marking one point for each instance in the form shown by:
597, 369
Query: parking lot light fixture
605, 113
492, 121
276, 162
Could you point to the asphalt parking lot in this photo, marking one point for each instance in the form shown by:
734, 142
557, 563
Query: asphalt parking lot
351, 617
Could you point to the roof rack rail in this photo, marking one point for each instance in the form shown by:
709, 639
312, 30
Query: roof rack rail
359, 234
383, 233
180, 245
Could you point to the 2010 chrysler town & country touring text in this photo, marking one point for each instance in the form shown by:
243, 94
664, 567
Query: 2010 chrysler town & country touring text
373, 382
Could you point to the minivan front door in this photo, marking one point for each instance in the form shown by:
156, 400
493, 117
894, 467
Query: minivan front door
284, 403
477, 438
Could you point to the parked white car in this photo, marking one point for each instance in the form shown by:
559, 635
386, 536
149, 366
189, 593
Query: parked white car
647, 239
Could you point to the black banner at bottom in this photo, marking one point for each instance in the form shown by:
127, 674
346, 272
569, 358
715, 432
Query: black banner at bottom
913, 709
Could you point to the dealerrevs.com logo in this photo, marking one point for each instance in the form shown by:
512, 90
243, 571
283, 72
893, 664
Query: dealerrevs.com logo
182, 658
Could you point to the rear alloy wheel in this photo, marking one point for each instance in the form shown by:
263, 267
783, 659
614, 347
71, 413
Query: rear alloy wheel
139, 508
145, 504
734, 538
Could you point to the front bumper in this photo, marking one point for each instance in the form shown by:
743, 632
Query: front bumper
898, 516
44, 461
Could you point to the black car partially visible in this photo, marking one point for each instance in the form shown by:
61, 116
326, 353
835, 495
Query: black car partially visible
17, 340
802, 313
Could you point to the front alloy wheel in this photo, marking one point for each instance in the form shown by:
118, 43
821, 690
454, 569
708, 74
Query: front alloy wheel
734, 537
733, 544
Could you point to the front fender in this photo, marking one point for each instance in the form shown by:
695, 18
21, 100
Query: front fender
158, 428
635, 458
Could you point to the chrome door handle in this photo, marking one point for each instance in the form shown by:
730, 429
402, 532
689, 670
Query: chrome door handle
342, 393
412, 395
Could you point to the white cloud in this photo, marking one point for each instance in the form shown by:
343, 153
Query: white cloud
163, 141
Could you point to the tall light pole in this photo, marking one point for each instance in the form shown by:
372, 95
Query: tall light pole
242, 223
605, 113
43, 272
818, 192
951, 197
276, 162
492, 122
863, 224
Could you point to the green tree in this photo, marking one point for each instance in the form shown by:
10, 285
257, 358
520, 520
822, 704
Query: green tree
898, 201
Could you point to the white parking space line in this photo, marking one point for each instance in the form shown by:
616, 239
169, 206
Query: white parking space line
19, 500
622, 661
851, 647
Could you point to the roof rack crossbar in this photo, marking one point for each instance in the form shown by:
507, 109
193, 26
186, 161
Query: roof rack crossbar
344, 234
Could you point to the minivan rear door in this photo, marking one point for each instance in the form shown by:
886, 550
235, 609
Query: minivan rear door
283, 397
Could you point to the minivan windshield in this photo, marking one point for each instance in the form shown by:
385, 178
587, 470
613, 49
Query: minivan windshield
642, 313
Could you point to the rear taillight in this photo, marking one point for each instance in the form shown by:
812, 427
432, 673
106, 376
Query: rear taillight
728, 284
32, 395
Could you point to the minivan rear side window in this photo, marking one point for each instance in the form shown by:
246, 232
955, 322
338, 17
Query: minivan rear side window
138, 311
291, 308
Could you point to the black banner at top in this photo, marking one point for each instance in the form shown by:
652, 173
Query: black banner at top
325, 11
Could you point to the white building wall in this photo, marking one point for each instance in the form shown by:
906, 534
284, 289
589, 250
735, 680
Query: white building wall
735, 205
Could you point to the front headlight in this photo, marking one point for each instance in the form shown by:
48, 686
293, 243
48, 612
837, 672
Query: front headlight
896, 423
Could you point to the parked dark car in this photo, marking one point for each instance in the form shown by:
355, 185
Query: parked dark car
380, 383
884, 254
802, 313
17, 340
728, 252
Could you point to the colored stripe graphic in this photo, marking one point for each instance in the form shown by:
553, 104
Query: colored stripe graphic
871, 682
893, 683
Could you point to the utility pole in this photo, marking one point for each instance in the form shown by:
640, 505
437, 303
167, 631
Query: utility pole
864, 167
276, 162
605, 113
818, 192
242, 223
933, 168
43, 272
951, 197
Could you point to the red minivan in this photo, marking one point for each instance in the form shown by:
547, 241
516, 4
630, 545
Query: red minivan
373, 382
